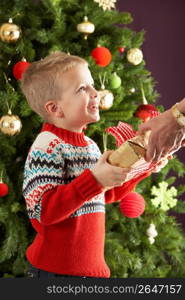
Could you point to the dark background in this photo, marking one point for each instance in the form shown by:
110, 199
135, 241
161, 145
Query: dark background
163, 49
164, 46
164, 23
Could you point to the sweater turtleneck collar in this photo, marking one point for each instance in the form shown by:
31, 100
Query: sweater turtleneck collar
71, 137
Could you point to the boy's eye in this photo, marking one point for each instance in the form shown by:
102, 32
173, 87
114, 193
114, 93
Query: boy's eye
82, 88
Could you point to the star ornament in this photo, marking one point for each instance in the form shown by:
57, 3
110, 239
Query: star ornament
164, 198
106, 4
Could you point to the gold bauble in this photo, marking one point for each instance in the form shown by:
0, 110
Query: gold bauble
9, 32
86, 27
135, 56
10, 124
106, 99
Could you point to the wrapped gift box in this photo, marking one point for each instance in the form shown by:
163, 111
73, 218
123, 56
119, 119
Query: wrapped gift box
131, 155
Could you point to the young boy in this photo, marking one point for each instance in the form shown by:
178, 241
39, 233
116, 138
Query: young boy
66, 180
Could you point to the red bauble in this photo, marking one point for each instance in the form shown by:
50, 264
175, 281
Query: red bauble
121, 49
132, 205
102, 56
3, 189
19, 68
146, 112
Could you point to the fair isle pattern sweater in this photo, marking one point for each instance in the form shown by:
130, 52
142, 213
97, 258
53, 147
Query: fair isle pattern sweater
66, 205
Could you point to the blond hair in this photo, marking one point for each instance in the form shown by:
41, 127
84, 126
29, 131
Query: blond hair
42, 79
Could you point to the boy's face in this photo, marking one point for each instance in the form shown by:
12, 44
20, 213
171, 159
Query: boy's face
80, 101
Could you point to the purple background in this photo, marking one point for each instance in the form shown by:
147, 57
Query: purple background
163, 48
164, 23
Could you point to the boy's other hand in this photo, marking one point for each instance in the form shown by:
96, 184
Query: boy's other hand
107, 175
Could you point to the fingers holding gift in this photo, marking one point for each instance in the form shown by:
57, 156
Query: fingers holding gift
161, 164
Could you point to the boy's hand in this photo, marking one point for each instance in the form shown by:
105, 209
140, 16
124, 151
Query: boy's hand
107, 175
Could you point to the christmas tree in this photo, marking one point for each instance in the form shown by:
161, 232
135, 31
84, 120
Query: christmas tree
151, 245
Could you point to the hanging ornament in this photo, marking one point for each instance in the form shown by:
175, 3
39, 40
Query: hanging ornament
151, 233
106, 97
135, 56
132, 90
86, 27
121, 50
145, 111
164, 198
3, 187
10, 32
132, 205
10, 124
19, 68
115, 81
102, 56
106, 4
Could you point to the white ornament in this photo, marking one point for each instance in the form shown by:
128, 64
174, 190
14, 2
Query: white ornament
86, 27
132, 90
106, 4
135, 56
152, 233
151, 240
165, 197
106, 99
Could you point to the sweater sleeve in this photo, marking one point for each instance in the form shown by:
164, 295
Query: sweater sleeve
120, 192
48, 198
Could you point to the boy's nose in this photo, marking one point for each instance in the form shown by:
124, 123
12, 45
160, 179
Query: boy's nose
94, 93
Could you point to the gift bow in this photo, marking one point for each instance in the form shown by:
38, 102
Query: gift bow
122, 133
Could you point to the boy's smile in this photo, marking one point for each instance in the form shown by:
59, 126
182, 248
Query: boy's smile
93, 107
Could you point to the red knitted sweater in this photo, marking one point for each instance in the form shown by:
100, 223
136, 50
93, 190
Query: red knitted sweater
66, 205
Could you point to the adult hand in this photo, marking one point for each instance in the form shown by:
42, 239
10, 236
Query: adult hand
166, 137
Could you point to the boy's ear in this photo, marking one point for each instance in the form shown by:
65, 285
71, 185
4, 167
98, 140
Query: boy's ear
53, 108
